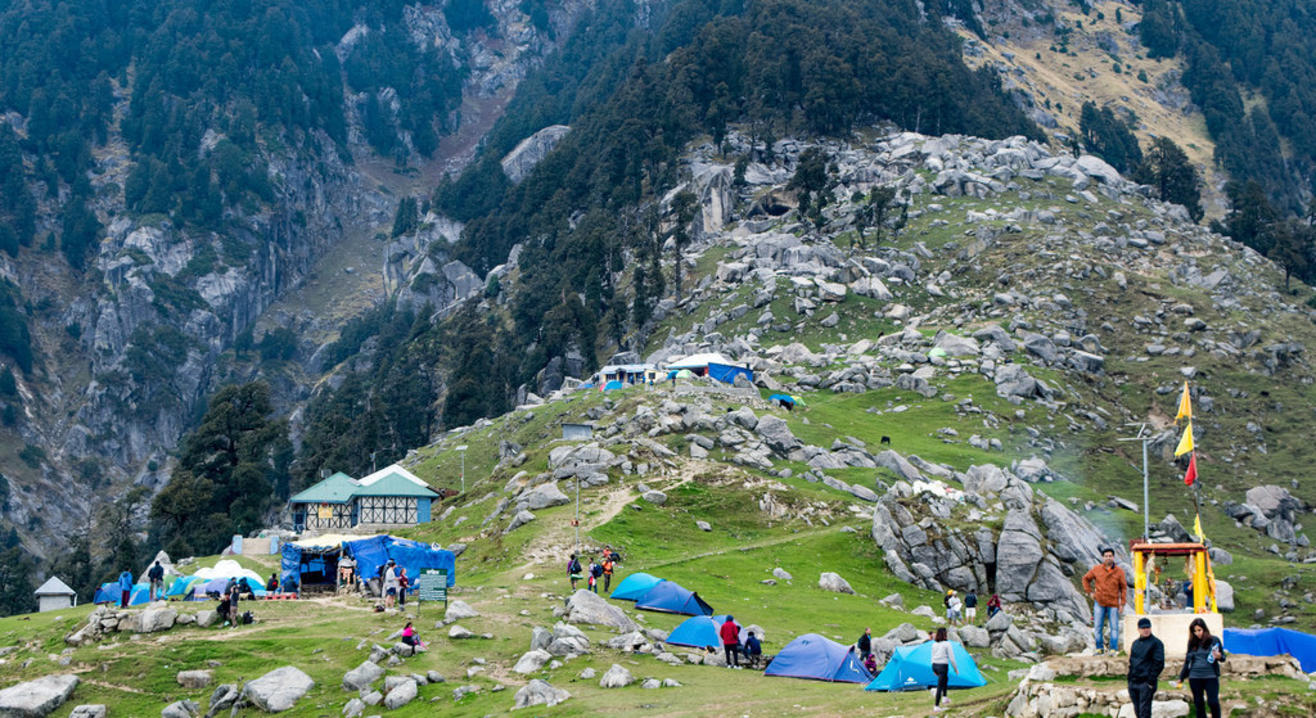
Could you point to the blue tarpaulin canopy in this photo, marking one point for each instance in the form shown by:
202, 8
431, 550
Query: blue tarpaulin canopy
910, 668
634, 586
1273, 642
817, 658
414, 556
671, 597
727, 373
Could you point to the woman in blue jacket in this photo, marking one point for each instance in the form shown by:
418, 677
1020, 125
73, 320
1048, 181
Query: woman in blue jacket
1201, 666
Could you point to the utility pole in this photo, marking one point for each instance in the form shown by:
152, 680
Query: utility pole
1143, 437
577, 521
462, 450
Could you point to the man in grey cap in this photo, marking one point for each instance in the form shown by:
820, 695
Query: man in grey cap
1146, 661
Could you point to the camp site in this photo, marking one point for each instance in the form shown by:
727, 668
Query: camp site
598, 570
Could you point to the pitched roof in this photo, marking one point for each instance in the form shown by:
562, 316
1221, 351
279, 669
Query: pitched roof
390, 470
337, 489
55, 587
395, 484
697, 361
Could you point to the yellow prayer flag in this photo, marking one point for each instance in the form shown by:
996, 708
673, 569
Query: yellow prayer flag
1197, 528
1185, 406
1186, 441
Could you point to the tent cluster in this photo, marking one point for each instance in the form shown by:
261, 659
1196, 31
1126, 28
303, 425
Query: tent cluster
205, 583
810, 656
315, 561
651, 593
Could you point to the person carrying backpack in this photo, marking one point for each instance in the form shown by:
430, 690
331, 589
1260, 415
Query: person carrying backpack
573, 570
595, 573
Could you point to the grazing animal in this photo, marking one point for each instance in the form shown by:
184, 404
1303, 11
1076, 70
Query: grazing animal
886, 440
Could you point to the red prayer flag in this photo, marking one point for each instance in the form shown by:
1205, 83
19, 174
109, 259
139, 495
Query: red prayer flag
1191, 475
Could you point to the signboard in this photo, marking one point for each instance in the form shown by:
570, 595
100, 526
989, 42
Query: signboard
326, 511
433, 585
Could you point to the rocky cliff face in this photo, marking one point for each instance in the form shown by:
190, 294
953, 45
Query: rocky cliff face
132, 349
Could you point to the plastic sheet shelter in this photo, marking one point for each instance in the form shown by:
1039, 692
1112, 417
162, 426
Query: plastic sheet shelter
1273, 642
727, 373
414, 556
910, 668
814, 657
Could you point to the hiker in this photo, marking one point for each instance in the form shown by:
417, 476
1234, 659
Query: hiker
1201, 666
595, 573
943, 662
993, 605
389, 586
865, 644
155, 575
607, 571
125, 588
611, 554
953, 606
233, 598
971, 607
1106, 586
573, 570
730, 635
1146, 661
410, 637
753, 649
272, 586
403, 584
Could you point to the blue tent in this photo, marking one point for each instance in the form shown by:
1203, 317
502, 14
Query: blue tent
701, 632
614, 384
140, 594
821, 659
183, 586
1273, 642
634, 586
414, 556
671, 597
727, 373
107, 593
787, 398
910, 668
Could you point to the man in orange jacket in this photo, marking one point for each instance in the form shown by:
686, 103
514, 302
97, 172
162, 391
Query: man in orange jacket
1106, 585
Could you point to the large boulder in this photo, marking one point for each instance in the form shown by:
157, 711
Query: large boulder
955, 345
537, 692
777, 435
544, 495
1017, 556
155, 618
459, 610
194, 680
278, 690
895, 462
38, 698
587, 607
833, 582
1274, 501
362, 676
181, 709
402, 694
530, 151
89, 710
616, 677
532, 661
1224, 596
521, 519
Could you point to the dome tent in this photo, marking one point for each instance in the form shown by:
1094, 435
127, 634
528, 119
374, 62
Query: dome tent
817, 658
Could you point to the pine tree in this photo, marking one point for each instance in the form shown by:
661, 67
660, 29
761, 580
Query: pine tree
684, 205
1166, 168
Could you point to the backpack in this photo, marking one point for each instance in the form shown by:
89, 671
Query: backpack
573, 566
596, 570
616, 557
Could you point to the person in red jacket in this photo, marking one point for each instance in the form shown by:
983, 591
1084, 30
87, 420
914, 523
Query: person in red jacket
730, 634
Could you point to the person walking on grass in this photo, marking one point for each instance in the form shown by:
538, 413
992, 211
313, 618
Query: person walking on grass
943, 662
1201, 667
607, 571
1146, 661
595, 573
730, 635
971, 607
573, 570
389, 586
233, 597
1106, 585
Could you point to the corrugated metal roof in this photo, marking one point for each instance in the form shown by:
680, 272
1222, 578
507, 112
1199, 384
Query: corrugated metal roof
395, 484
54, 587
337, 489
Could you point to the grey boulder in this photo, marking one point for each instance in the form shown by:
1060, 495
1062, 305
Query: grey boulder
587, 607
539, 693
616, 677
36, 699
278, 690
833, 582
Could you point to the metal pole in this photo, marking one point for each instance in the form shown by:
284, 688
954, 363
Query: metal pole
463, 472
577, 514
1146, 506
